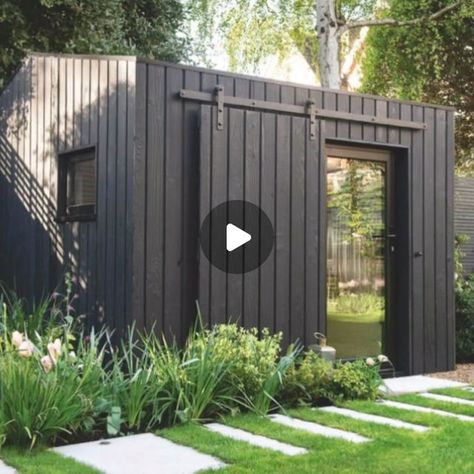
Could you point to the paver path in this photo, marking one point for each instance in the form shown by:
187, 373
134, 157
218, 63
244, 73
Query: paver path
407, 406
416, 383
4, 469
446, 398
380, 420
140, 454
318, 429
255, 440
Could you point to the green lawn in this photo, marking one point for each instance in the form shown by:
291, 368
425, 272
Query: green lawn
446, 448
41, 461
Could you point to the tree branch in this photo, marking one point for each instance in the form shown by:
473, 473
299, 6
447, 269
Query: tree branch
392, 22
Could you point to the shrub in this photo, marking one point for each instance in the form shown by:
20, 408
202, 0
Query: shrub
265, 399
464, 296
465, 318
252, 357
306, 381
354, 380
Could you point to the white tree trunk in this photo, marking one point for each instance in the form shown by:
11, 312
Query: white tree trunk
328, 40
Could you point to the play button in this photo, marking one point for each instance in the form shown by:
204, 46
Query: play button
237, 236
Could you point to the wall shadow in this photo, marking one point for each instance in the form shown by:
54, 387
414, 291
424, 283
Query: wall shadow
55, 104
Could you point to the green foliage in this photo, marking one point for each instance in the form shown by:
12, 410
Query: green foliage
432, 62
38, 403
465, 318
52, 317
306, 381
152, 28
132, 389
359, 303
266, 398
252, 357
56, 385
251, 30
464, 296
193, 378
313, 379
459, 241
353, 381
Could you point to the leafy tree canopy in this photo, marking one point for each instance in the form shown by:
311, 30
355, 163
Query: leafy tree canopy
251, 30
432, 62
151, 28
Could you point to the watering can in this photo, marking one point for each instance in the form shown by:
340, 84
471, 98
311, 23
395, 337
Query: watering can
322, 349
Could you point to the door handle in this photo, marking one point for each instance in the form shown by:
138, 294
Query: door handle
383, 236
418, 254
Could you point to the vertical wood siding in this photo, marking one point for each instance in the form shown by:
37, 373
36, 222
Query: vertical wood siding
53, 104
140, 259
275, 156
167, 265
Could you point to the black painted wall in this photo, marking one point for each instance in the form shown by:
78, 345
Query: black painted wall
141, 259
52, 104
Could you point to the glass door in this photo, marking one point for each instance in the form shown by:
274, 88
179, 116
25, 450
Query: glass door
358, 248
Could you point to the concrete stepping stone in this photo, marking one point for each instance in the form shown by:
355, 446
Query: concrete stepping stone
469, 389
317, 429
255, 440
407, 406
380, 420
4, 469
446, 398
143, 454
416, 383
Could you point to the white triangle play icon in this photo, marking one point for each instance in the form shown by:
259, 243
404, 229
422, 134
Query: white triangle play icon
235, 237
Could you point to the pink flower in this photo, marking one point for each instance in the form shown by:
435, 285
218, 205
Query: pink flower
17, 339
54, 350
47, 363
26, 348
370, 362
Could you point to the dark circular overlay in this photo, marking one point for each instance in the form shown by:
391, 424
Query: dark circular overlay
248, 217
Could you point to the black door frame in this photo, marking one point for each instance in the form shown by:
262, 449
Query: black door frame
385, 155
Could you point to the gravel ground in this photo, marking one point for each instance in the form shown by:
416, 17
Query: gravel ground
463, 373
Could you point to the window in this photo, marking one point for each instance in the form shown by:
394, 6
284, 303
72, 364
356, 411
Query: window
77, 185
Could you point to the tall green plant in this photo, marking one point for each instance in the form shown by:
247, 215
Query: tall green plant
266, 399
41, 400
132, 399
192, 379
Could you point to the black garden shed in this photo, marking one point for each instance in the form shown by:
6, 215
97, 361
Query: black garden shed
110, 165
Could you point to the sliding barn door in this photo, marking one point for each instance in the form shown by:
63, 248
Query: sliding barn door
269, 160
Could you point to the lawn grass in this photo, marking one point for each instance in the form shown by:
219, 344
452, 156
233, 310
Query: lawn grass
446, 448
41, 461
455, 392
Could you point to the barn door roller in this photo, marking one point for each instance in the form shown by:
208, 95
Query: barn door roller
220, 106
309, 109
312, 119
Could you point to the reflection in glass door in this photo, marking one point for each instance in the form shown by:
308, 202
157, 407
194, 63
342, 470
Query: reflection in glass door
356, 269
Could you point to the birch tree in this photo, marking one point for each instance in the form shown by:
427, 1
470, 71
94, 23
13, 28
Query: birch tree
331, 26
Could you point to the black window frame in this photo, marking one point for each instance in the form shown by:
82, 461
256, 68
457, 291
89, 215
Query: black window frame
64, 158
